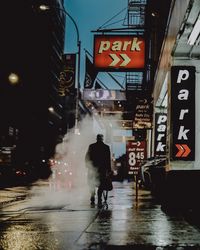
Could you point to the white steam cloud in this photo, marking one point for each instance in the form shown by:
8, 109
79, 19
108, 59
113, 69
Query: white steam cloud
68, 183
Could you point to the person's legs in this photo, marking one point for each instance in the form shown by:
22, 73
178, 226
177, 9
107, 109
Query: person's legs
92, 197
100, 190
92, 187
101, 187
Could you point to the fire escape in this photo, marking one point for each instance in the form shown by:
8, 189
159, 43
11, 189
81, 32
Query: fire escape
135, 80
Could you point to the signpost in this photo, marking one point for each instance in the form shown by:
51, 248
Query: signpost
104, 94
143, 114
183, 112
160, 134
67, 75
119, 52
136, 154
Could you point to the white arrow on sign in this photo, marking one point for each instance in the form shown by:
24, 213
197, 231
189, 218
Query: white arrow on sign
126, 60
117, 59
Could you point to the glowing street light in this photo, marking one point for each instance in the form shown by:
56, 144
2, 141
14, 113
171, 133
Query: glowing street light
51, 109
45, 8
13, 78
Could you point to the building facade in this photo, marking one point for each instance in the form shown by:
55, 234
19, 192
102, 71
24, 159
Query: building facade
32, 44
176, 95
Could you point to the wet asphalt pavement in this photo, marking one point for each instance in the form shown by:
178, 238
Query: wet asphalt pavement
126, 224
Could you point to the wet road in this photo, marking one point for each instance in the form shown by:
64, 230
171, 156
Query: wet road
60, 220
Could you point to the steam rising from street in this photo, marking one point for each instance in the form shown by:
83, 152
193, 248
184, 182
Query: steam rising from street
68, 182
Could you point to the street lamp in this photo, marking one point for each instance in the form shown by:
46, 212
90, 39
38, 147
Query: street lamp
44, 8
13, 78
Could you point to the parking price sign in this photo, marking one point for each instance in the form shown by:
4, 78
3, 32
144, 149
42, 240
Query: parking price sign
136, 154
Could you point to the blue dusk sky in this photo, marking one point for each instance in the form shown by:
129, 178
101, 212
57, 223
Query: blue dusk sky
89, 15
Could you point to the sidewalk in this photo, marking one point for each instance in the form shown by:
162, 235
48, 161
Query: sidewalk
9, 195
126, 224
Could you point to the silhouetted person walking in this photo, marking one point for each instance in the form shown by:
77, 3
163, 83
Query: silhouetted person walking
98, 162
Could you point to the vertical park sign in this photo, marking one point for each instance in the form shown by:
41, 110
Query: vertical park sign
183, 113
160, 134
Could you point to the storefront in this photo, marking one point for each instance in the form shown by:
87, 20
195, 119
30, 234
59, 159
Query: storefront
179, 55
176, 94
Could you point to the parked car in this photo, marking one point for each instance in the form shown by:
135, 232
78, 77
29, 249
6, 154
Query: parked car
153, 175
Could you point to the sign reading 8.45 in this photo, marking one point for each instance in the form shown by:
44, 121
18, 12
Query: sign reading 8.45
136, 154
133, 157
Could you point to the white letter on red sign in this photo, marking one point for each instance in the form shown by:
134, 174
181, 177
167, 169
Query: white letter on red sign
136, 44
104, 45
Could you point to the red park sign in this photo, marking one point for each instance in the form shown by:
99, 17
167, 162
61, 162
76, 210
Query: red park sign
119, 52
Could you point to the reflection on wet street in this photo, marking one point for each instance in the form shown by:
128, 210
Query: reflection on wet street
72, 224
